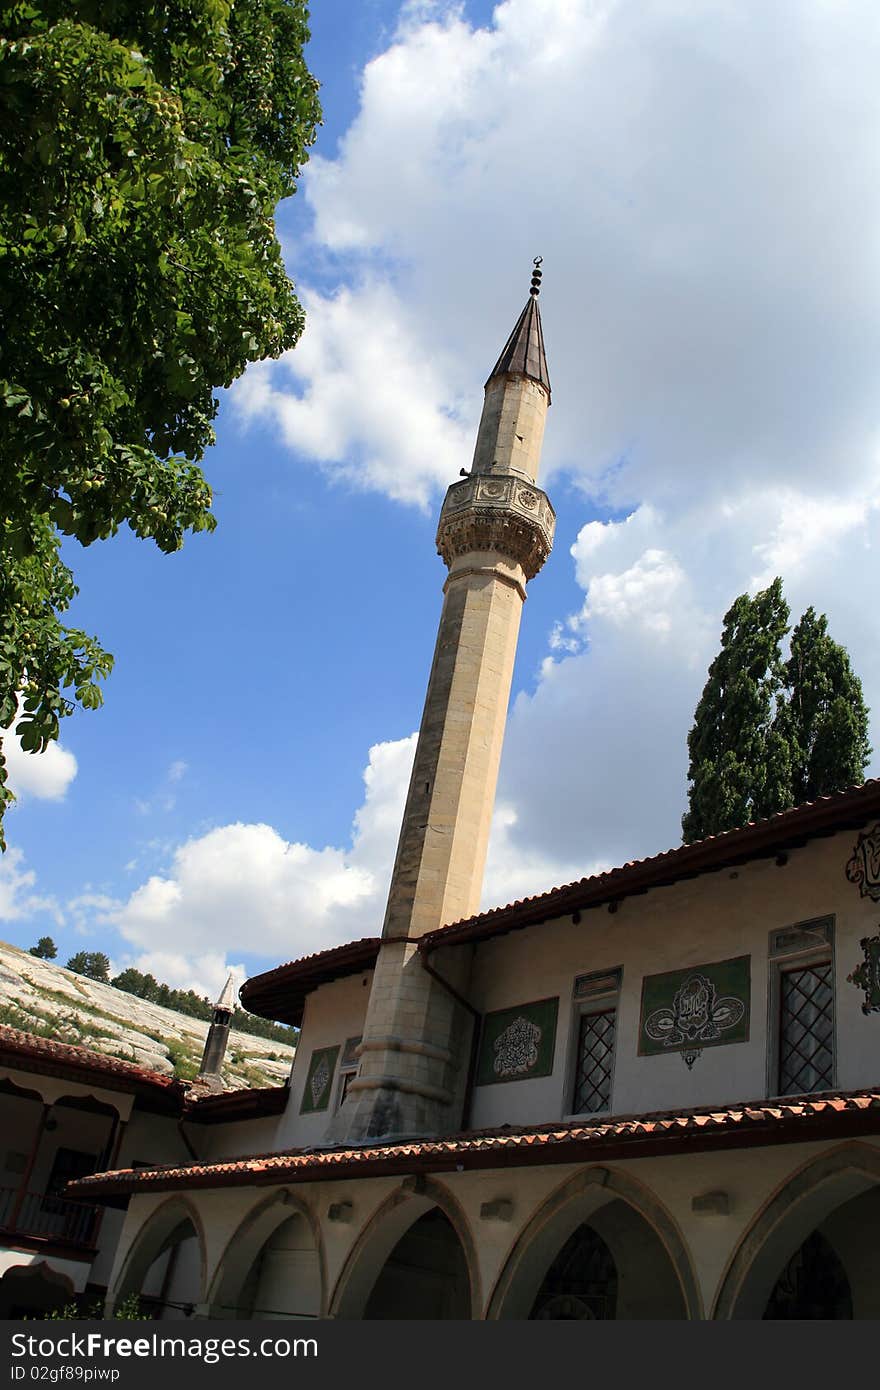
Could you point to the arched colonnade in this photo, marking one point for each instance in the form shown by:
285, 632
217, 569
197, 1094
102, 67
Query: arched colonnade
602, 1245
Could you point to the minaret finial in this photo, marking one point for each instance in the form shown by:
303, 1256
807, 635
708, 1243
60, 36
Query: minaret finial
536, 277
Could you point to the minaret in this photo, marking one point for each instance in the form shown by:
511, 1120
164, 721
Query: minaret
218, 1035
495, 532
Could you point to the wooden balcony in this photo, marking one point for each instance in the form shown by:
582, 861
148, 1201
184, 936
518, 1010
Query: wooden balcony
43, 1217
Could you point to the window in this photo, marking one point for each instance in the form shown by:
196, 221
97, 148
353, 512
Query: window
595, 1018
802, 1008
347, 1069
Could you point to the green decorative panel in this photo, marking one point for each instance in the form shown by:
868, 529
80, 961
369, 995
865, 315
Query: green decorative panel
319, 1082
518, 1043
704, 1006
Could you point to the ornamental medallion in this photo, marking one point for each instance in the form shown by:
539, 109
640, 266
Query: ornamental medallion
319, 1081
518, 1043
867, 975
863, 867
516, 1049
687, 1010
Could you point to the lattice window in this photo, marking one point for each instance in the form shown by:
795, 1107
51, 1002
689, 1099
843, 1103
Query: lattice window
595, 1054
806, 1029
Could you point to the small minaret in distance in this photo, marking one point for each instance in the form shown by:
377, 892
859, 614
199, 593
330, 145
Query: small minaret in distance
495, 532
218, 1036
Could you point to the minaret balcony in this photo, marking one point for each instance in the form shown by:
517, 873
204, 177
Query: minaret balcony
497, 512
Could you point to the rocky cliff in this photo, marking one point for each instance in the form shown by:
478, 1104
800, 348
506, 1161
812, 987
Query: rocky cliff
49, 1001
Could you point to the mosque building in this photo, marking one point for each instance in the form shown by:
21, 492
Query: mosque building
652, 1093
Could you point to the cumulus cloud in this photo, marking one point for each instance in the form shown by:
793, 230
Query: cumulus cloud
361, 397
707, 228
244, 884
700, 180
45, 776
17, 898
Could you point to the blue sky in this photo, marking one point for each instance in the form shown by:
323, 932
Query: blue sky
701, 183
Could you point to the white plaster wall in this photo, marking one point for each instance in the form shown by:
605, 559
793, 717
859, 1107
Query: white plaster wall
714, 917
333, 1013
215, 1142
52, 1088
150, 1139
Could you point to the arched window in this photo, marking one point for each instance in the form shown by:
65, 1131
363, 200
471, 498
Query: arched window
581, 1282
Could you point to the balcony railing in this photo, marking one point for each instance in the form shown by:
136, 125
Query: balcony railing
48, 1217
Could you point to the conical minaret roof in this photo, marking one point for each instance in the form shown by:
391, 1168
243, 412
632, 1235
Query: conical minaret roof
227, 996
523, 354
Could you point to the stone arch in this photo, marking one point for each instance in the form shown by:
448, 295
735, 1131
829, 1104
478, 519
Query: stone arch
390, 1222
263, 1224
649, 1251
163, 1231
809, 1197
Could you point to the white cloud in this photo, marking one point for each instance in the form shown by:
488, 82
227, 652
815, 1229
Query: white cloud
245, 884
708, 234
361, 397
45, 776
17, 900
595, 758
700, 180
205, 973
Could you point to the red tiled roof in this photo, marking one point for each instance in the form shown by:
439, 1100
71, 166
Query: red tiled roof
251, 1103
789, 1120
759, 839
280, 994
155, 1091
47, 1057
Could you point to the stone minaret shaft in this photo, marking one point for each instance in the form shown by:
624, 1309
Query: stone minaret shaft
218, 1037
495, 532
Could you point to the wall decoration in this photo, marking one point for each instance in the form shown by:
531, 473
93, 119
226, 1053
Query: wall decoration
518, 1043
598, 983
319, 1081
350, 1053
687, 1010
867, 975
863, 867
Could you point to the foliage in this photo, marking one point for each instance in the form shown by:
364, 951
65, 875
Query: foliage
186, 1067
93, 964
128, 1309
45, 949
769, 734
186, 1001
824, 719
143, 150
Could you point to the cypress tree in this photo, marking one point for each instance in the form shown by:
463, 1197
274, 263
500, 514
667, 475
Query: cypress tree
739, 766
768, 734
823, 716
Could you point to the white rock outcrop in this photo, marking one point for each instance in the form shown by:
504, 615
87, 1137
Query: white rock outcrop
36, 994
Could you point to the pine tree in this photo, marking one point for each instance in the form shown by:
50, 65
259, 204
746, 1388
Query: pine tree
769, 734
45, 949
824, 717
93, 964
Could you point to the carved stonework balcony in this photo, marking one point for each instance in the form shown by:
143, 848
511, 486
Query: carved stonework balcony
497, 512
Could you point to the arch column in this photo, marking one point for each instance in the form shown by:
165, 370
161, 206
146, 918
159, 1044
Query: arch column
806, 1200
391, 1221
644, 1240
247, 1246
